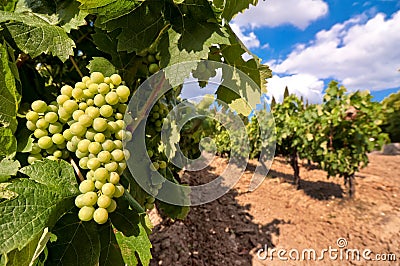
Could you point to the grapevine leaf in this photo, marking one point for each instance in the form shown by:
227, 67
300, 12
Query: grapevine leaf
110, 253
125, 220
35, 35
7, 5
9, 97
231, 8
8, 168
77, 243
47, 194
173, 211
8, 143
173, 140
135, 246
24, 140
102, 65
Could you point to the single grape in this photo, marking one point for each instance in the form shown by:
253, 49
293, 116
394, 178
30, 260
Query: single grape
99, 124
121, 124
119, 191
158, 56
103, 88
162, 164
71, 146
103, 201
90, 198
38, 133
70, 106
108, 145
77, 129
77, 92
83, 145
93, 163
62, 145
93, 88
95, 147
30, 125
127, 154
82, 106
83, 162
32, 116
39, 106
90, 175
45, 142
106, 110
34, 157
88, 82
90, 102
154, 68
42, 123
99, 137
86, 186
85, 120
57, 138
85, 79
51, 117
79, 201
81, 85
112, 166
112, 98
114, 178
93, 112
117, 155
150, 199
80, 154
55, 128
100, 216
99, 100
76, 139
76, 114
97, 77
52, 149
52, 107
98, 184
118, 144
101, 174
108, 189
86, 213
66, 90
35, 148
112, 207
58, 154
63, 115
87, 94
112, 127
104, 156
67, 134
154, 166
116, 79
149, 206
123, 91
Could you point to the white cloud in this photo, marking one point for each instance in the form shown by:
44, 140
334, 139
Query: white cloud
250, 40
273, 13
361, 53
307, 86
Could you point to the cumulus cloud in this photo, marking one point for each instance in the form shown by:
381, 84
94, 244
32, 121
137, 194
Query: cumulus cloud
361, 53
249, 39
273, 13
303, 85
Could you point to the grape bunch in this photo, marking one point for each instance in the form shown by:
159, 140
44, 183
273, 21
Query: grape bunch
90, 116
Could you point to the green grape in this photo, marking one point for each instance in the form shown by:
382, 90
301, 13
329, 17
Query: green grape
108, 145
82, 106
150, 199
93, 163
103, 88
58, 138
87, 94
116, 79
162, 164
65, 153
86, 213
91, 156
39, 106
30, 125
127, 154
71, 146
121, 124
112, 207
150, 153
63, 115
112, 127
88, 82
112, 166
156, 115
95, 147
120, 134
38, 133
118, 116
93, 112
90, 102
99, 100
52, 149
70, 106
86, 186
151, 58
76, 139
154, 68
57, 154
45, 142
85, 120
93, 88
66, 90
34, 157
149, 206
118, 144
83, 145
51, 117
32, 116
128, 119
106, 110
104, 156
62, 145
117, 155
67, 134
42, 123
123, 91
55, 128
108, 189
79, 201
35, 148
85, 79
61, 99
77, 129
119, 191
103, 201
101, 174
90, 175
154, 166
90, 198
98, 184
158, 56
77, 92
80, 85
100, 216
112, 98
97, 77
83, 162
76, 114
158, 123
99, 124
80, 154
114, 178
99, 137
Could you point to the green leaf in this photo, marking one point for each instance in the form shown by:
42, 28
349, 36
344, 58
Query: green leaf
9, 97
231, 8
78, 243
35, 35
125, 220
102, 65
134, 246
8, 168
107, 10
8, 5
24, 140
45, 196
173, 211
110, 253
8, 143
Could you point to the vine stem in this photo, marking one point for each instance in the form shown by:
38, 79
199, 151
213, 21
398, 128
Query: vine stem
76, 168
75, 65
132, 202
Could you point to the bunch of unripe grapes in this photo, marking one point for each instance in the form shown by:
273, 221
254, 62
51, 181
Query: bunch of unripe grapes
93, 114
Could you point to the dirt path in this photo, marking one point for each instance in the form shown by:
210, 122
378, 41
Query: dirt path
230, 230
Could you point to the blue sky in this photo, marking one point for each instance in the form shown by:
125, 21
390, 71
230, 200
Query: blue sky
307, 43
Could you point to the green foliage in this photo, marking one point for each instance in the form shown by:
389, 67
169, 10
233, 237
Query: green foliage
391, 121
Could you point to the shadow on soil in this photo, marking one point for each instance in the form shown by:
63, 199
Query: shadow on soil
221, 232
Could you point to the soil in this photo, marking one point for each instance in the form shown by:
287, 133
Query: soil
230, 230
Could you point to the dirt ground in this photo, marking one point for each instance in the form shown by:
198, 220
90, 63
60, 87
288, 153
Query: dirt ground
231, 230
